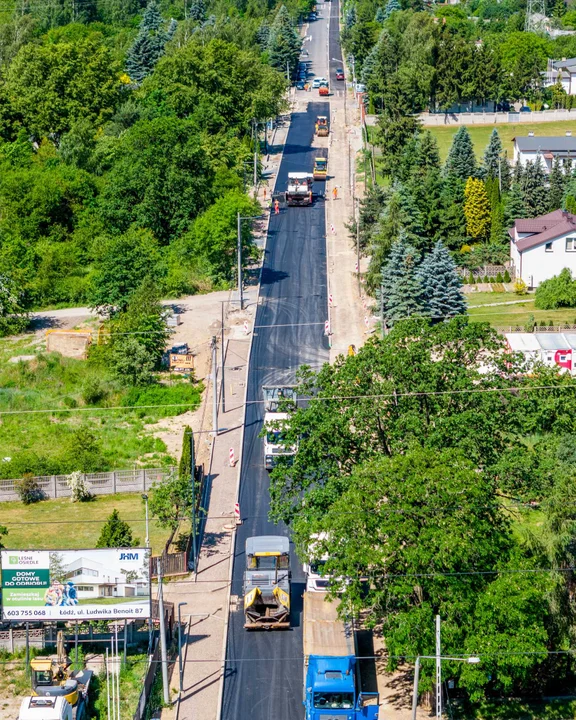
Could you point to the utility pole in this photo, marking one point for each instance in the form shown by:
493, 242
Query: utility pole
239, 253
181, 671
214, 388
255, 159
163, 653
358, 247
222, 359
438, 670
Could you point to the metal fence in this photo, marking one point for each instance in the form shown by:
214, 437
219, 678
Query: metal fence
102, 483
564, 327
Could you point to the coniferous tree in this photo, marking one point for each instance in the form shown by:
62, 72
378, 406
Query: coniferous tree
149, 44
380, 16
453, 218
534, 188
518, 173
505, 174
413, 222
427, 153
350, 17
491, 161
197, 10
442, 286
386, 232
461, 161
496, 209
116, 533
283, 42
263, 35
515, 207
401, 286
557, 181
391, 6
477, 209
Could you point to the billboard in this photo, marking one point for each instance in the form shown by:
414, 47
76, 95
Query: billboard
75, 584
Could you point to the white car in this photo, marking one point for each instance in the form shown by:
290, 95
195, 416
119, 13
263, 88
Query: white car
318, 81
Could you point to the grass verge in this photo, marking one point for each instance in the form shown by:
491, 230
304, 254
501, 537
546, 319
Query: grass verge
65, 525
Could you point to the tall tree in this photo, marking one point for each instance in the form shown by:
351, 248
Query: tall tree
515, 207
441, 284
557, 188
149, 44
461, 161
477, 209
401, 287
492, 156
534, 188
391, 6
283, 42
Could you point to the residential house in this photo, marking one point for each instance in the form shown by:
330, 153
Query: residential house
541, 247
551, 349
563, 70
547, 148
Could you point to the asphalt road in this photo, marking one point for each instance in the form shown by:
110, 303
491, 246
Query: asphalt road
265, 669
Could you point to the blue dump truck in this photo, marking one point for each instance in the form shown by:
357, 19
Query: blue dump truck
332, 689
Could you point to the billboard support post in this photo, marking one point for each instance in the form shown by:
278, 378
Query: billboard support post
163, 652
125, 641
76, 645
27, 649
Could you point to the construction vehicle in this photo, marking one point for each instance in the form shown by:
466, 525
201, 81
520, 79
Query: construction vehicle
278, 402
267, 583
320, 170
47, 708
53, 677
332, 687
321, 126
299, 189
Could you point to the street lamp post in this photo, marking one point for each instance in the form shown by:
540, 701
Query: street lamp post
471, 660
180, 644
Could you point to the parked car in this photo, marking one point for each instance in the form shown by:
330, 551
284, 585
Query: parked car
318, 81
300, 85
339, 74
525, 108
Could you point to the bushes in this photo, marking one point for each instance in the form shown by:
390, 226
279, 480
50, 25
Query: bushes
558, 291
28, 489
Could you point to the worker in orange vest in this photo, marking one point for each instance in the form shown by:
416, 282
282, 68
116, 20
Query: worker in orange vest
276, 207
335, 192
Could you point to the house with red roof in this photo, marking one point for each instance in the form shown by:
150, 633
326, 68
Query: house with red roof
541, 247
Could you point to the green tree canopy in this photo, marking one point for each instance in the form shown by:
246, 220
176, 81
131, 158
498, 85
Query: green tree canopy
116, 533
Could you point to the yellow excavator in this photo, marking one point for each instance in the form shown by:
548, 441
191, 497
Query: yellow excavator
53, 676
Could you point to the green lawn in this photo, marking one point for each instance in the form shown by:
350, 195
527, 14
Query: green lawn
76, 525
47, 443
481, 133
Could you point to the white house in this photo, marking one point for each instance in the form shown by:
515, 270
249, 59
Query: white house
547, 148
552, 349
541, 247
563, 70
93, 580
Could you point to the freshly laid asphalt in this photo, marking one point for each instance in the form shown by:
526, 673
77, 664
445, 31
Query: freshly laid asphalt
264, 670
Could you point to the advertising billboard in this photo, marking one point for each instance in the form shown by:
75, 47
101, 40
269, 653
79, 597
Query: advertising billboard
75, 584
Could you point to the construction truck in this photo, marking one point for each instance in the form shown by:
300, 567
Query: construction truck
47, 708
332, 687
278, 402
299, 188
321, 126
267, 583
320, 170
53, 677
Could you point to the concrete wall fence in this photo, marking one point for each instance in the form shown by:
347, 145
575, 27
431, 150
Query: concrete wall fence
102, 483
488, 118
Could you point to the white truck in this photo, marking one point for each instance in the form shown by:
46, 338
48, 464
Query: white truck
275, 399
47, 708
316, 579
299, 188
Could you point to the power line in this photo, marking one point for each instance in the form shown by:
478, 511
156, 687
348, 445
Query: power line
376, 396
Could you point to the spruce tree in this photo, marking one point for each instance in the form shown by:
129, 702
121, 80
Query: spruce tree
534, 188
427, 153
386, 232
413, 222
518, 174
116, 533
391, 6
453, 218
514, 208
149, 44
197, 10
461, 161
350, 17
496, 209
477, 209
401, 286
441, 284
557, 181
283, 42
505, 174
491, 161
380, 16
